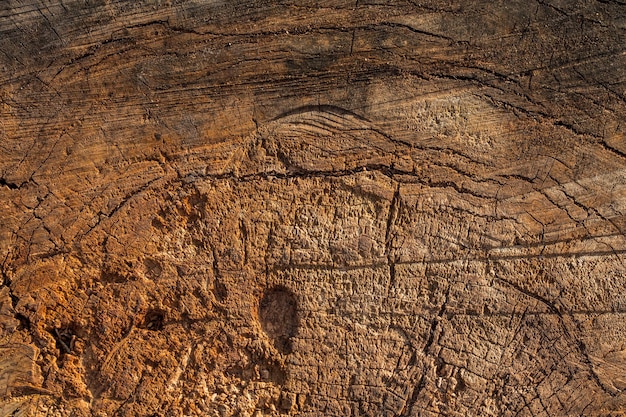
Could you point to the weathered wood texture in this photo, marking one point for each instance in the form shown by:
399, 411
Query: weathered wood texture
360, 208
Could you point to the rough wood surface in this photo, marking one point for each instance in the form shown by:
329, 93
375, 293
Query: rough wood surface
360, 208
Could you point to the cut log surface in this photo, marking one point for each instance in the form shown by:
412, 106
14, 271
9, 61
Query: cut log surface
364, 208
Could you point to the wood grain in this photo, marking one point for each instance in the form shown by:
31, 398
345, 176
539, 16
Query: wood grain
312, 208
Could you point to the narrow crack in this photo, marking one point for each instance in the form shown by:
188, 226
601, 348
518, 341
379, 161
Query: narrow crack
582, 348
8, 184
419, 387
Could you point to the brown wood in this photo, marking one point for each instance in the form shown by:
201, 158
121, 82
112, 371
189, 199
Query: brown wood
313, 208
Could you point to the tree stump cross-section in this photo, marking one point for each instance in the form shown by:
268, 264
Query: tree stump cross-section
342, 209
